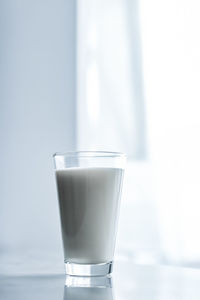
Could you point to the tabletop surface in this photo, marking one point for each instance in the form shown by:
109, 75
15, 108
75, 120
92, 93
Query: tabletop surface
128, 282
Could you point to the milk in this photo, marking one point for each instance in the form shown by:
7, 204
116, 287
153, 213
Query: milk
89, 201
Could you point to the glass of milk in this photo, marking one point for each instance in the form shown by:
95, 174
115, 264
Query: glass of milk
89, 188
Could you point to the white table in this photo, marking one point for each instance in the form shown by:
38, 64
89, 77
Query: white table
129, 282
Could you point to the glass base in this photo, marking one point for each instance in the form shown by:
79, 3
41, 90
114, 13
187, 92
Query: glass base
88, 282
73, 269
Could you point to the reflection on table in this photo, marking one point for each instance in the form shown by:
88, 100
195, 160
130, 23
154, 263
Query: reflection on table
94, 288
129, 282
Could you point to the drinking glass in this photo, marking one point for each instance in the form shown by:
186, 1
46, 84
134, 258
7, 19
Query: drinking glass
89, 188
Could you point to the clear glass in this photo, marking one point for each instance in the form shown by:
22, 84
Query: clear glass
89, 188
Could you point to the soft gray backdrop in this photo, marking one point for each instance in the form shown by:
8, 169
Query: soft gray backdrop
37, 118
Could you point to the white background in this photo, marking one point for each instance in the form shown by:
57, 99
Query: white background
127, 80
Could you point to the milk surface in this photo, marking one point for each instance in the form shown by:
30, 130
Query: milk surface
89, 201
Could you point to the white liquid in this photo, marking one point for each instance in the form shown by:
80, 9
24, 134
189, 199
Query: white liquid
89, 204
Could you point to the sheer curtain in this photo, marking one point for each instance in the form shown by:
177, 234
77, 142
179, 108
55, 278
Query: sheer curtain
112, 112
138, 92
171, 57
110, 82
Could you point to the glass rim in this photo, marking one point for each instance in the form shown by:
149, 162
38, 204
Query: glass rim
91, 154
